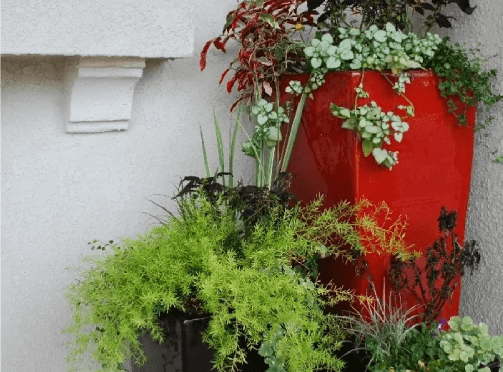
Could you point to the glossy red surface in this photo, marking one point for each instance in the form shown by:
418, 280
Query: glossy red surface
434, 170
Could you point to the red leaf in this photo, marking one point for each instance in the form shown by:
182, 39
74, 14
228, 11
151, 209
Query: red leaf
251, 24
230, 83
243, 97
245, 80
222, 77
219, 44
235, 21
235, 103
204, 52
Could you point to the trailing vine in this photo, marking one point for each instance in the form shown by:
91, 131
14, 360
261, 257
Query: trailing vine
380, 50
271, 45
463, 78
463, 82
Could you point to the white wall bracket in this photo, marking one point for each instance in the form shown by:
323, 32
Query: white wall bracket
106, 43
99, 93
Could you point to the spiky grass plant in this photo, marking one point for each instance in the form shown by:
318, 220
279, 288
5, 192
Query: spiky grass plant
381, 326
221, 154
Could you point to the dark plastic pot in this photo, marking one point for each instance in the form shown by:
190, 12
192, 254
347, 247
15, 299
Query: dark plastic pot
184, 350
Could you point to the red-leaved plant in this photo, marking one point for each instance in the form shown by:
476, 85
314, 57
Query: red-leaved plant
264, 31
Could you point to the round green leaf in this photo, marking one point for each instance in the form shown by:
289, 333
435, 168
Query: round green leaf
380, 36
316, 62
347, 54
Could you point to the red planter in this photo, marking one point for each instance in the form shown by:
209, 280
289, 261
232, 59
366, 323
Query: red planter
434, 170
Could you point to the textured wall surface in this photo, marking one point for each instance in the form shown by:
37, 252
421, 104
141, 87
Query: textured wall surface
482, 293
60, 191
146, 28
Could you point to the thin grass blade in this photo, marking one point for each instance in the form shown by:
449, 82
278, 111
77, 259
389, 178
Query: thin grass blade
205, 156
220, 145
293, 133
232, 148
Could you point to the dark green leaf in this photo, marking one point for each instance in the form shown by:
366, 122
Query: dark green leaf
367, 147
313, 4
443, 21
464, 5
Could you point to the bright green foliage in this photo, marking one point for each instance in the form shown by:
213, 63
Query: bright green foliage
242, 277
498, 159
462, 76
417, 347
466, 347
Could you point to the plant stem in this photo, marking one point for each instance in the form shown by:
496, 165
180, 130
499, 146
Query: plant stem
270, 166
293, 133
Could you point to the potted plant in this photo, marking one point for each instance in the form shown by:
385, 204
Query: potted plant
364, 93
240, 255
393, 341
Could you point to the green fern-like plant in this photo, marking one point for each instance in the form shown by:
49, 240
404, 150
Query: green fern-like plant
207, 260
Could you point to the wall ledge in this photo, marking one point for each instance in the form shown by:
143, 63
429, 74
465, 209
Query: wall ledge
145, 28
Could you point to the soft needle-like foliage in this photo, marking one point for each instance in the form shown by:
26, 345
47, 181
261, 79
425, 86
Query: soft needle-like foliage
245, 282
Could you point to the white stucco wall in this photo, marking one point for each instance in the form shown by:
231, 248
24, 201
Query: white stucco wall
60, 190
147, 28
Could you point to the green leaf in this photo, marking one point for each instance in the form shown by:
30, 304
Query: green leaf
347, 54
262, 119
344, 112
333, 63
309, 51
348, 124
380, 36
345, 45
316, 62
356, 65
232, 148
220, 145
373, 129
379, 155
270, 20
367, 147
390, 27
205, 156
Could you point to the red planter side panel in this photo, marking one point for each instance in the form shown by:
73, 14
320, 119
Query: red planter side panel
434, 170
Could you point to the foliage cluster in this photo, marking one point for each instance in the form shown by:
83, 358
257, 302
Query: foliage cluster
375, 48
265, 32
466, 347
380, 12
381, 42
463, 82
237, 267
381, 326
463, 78
432, 283
396, 342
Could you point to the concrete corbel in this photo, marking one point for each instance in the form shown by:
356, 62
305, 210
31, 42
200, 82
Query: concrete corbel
99, 93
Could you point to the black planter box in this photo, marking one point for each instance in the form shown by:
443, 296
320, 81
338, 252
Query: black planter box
183, 349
